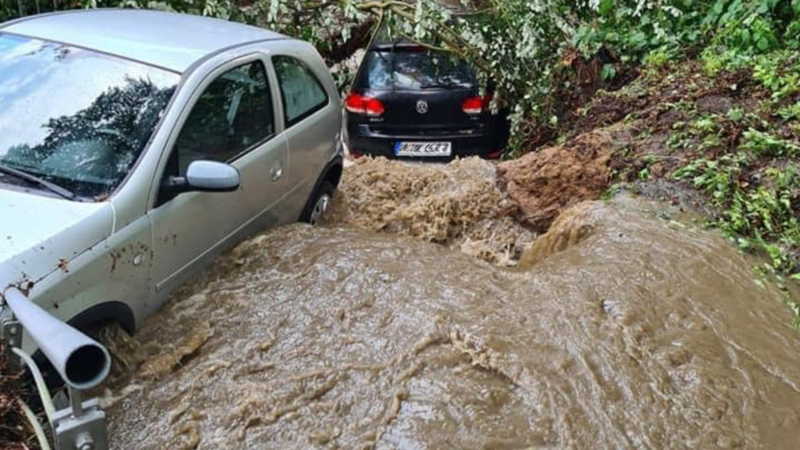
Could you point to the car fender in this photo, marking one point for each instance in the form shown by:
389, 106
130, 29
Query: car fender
108, 282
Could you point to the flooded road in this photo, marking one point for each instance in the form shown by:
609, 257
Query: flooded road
622, 327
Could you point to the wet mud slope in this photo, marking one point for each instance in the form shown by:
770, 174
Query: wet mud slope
622, 328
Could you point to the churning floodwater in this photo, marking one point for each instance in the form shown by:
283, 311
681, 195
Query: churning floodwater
624, 326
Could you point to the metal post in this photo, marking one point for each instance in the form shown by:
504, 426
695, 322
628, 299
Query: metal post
19, 7
12, 335
76, 401
82, 426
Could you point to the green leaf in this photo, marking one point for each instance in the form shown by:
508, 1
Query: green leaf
638, 38
606, 7
608, 72
762, 44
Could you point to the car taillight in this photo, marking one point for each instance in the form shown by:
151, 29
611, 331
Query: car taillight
360, 104
476, 105
494, 155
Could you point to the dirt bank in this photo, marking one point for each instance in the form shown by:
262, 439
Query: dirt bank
544, 183
722, 145
642, 134
641, 332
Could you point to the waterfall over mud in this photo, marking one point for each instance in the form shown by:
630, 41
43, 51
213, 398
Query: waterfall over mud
622, 327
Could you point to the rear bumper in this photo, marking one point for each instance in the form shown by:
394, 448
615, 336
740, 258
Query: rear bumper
362, 141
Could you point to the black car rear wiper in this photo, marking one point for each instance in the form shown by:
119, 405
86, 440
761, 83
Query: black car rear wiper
443, 85
435, 86
50, 186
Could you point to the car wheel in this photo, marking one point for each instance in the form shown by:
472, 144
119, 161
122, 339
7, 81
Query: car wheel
318, 204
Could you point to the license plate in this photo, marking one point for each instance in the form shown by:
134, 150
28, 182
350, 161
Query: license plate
423, 149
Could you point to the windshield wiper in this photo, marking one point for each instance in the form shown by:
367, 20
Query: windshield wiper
52, 187
445, 85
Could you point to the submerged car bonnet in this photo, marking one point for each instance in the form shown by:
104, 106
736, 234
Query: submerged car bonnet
38, 234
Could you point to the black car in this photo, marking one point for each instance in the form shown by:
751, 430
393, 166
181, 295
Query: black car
410, 102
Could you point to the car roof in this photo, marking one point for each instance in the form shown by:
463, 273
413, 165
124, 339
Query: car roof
169, 40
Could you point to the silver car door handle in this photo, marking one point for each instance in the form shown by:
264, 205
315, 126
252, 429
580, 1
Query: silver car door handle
277, 171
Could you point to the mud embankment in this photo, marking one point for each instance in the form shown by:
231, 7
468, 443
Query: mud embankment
623, 329
542, 184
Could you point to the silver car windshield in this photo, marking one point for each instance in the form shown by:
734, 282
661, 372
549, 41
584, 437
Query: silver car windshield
76, 118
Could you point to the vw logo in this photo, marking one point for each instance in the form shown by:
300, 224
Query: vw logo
422, 106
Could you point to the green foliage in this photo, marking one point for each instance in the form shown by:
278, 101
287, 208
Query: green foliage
634, 28
608, 72
658, 58
716, 177
779, 72
757, 34
736, 114
789, 113
764, 144
762, 217
525, 47
612, 192
766, 212
648, 160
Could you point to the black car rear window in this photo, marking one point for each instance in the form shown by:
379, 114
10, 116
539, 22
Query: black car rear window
415, 69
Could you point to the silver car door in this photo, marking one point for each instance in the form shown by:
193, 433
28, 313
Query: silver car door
231, 120
309, 125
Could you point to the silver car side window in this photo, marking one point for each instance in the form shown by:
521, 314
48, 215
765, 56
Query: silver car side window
233, 115
301, 91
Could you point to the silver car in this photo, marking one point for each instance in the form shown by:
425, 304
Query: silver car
135, 146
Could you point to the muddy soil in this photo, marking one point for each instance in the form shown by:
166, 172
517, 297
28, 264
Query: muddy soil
544, 183
623, 328
668, 118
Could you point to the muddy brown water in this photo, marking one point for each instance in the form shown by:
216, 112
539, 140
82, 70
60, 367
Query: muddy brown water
622, 327
458, 205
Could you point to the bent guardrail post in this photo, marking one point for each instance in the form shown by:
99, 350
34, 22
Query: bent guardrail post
82, 363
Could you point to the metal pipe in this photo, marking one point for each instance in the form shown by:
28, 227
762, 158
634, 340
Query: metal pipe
80, 360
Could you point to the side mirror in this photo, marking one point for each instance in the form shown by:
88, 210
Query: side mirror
205, 176
212, 176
